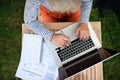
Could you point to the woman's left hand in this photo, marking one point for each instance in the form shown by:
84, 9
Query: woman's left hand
83, 31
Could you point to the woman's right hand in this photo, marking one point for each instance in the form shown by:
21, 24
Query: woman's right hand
61, 40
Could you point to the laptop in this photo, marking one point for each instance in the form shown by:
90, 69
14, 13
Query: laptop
80, 54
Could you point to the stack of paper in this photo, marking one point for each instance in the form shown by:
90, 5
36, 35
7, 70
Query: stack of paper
36, 62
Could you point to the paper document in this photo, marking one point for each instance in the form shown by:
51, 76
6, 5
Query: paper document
36, 62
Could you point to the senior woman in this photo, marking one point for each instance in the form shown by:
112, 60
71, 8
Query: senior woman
58, 11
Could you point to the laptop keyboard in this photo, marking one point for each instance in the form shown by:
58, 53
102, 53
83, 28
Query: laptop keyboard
77, 46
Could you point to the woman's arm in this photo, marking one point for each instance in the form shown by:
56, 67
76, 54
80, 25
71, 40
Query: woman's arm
82, 29
85, 11
30, 19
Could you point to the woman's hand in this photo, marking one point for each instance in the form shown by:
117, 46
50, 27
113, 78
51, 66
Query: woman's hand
61, 40
83, 31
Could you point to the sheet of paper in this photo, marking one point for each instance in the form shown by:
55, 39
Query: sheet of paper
51, 71
31, 48
36, 62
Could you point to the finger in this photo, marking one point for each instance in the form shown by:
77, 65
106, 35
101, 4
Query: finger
66, 38
81, 36
77, 32
88, 36
62, 41
62, 45
66, 43
85, 37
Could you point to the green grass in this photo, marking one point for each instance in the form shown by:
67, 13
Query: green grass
11, 18
10, 37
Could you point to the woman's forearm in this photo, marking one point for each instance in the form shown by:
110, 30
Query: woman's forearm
30, 19
85, 11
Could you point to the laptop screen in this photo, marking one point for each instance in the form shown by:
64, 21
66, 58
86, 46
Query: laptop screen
78, 65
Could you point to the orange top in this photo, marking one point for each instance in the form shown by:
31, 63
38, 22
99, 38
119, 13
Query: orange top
49, 16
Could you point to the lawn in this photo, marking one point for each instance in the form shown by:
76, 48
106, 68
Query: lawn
11, 18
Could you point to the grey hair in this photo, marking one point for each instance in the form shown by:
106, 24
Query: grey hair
65, 5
